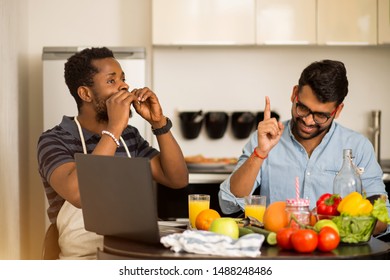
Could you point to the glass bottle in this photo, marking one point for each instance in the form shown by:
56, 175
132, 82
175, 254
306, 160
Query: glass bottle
348, 178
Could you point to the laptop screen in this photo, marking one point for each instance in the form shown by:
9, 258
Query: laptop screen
118, 197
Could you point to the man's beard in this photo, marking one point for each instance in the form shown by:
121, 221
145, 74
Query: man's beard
101, 110
318, 130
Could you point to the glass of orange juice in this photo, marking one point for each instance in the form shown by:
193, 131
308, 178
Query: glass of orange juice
255, 206
197, 203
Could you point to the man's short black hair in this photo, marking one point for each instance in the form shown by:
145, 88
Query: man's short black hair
79, 70
328, 80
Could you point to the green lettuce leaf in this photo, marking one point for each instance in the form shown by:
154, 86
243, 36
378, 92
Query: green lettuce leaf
379, 211
354, 229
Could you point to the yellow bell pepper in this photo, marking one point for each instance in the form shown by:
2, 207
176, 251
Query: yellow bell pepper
354, 204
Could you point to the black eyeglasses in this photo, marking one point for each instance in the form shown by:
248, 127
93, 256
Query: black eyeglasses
318, 117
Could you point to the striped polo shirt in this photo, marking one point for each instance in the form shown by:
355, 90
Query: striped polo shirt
58, 145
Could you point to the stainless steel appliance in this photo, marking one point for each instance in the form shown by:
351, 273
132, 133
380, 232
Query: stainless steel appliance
376, 133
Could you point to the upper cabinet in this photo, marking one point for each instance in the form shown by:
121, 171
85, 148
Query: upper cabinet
383, 21
203, 22
270, 22
286, 22
347, 22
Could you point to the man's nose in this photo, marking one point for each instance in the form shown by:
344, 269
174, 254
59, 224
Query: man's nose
124, 86
309, 119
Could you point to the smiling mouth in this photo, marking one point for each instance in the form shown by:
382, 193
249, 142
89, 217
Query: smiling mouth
306, 129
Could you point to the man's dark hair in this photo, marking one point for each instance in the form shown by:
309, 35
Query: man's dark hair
79, 70
328, 80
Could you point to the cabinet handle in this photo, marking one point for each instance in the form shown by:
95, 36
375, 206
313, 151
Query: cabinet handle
297, 42
336, 43
207, 43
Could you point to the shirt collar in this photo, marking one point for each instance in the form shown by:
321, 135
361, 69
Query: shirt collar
69, 125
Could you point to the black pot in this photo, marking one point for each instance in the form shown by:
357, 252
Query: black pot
242, 124
191, 124
216, 124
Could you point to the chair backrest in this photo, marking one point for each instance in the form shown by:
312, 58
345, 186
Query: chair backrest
51, 249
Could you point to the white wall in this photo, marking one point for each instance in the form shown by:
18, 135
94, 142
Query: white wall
13, 140
238, 78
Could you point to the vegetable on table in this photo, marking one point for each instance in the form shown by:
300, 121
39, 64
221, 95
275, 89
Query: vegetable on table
354, 204
355, 229
270, 236
358, 217
379, 210
304, 240
283, 237
328, 239
327, 204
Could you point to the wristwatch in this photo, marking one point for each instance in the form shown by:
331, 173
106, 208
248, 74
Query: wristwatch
164, 129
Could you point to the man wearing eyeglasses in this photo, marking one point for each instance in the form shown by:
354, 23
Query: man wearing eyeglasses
309, 146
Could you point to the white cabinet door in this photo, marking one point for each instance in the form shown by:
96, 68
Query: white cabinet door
286, 22
203, 22
383, 21
347, 22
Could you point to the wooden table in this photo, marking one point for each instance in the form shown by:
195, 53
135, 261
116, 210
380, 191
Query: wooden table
116, 248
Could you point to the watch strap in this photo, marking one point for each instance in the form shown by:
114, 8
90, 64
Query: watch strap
164, 129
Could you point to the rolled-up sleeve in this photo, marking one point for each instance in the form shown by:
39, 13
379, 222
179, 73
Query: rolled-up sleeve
228, 202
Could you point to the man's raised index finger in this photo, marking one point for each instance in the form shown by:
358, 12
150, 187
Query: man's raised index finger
267, 109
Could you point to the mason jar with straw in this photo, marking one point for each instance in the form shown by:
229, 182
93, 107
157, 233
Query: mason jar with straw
298, 207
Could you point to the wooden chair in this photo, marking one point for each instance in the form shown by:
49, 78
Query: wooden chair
51, 249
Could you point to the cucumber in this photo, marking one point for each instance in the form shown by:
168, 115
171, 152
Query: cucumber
270, 236
243, 231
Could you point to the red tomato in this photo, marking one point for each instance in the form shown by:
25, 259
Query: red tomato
328, 239
304, 240
283, 237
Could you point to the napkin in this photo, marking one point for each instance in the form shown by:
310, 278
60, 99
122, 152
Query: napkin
210, 243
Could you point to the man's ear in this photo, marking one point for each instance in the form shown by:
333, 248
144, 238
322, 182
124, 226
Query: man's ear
84, 93
294, 93
339, 109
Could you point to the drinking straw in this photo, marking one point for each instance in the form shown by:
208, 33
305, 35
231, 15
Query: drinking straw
297, 187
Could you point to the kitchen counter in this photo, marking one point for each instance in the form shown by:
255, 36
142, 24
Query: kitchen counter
204, 174
207, 178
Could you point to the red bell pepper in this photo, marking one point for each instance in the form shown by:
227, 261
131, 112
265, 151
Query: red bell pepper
327, 204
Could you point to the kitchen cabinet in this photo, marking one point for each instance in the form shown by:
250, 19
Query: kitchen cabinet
383, 22
347, 22
203, 22
286, 22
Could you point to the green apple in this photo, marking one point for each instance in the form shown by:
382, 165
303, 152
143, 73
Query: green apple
325, 223
226, 226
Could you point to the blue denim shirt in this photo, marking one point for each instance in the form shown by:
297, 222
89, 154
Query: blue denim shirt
288, 159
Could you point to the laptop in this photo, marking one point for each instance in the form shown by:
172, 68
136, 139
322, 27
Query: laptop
118, 197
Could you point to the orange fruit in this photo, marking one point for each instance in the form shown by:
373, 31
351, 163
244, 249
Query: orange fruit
313, 219
275, 216
205, 218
